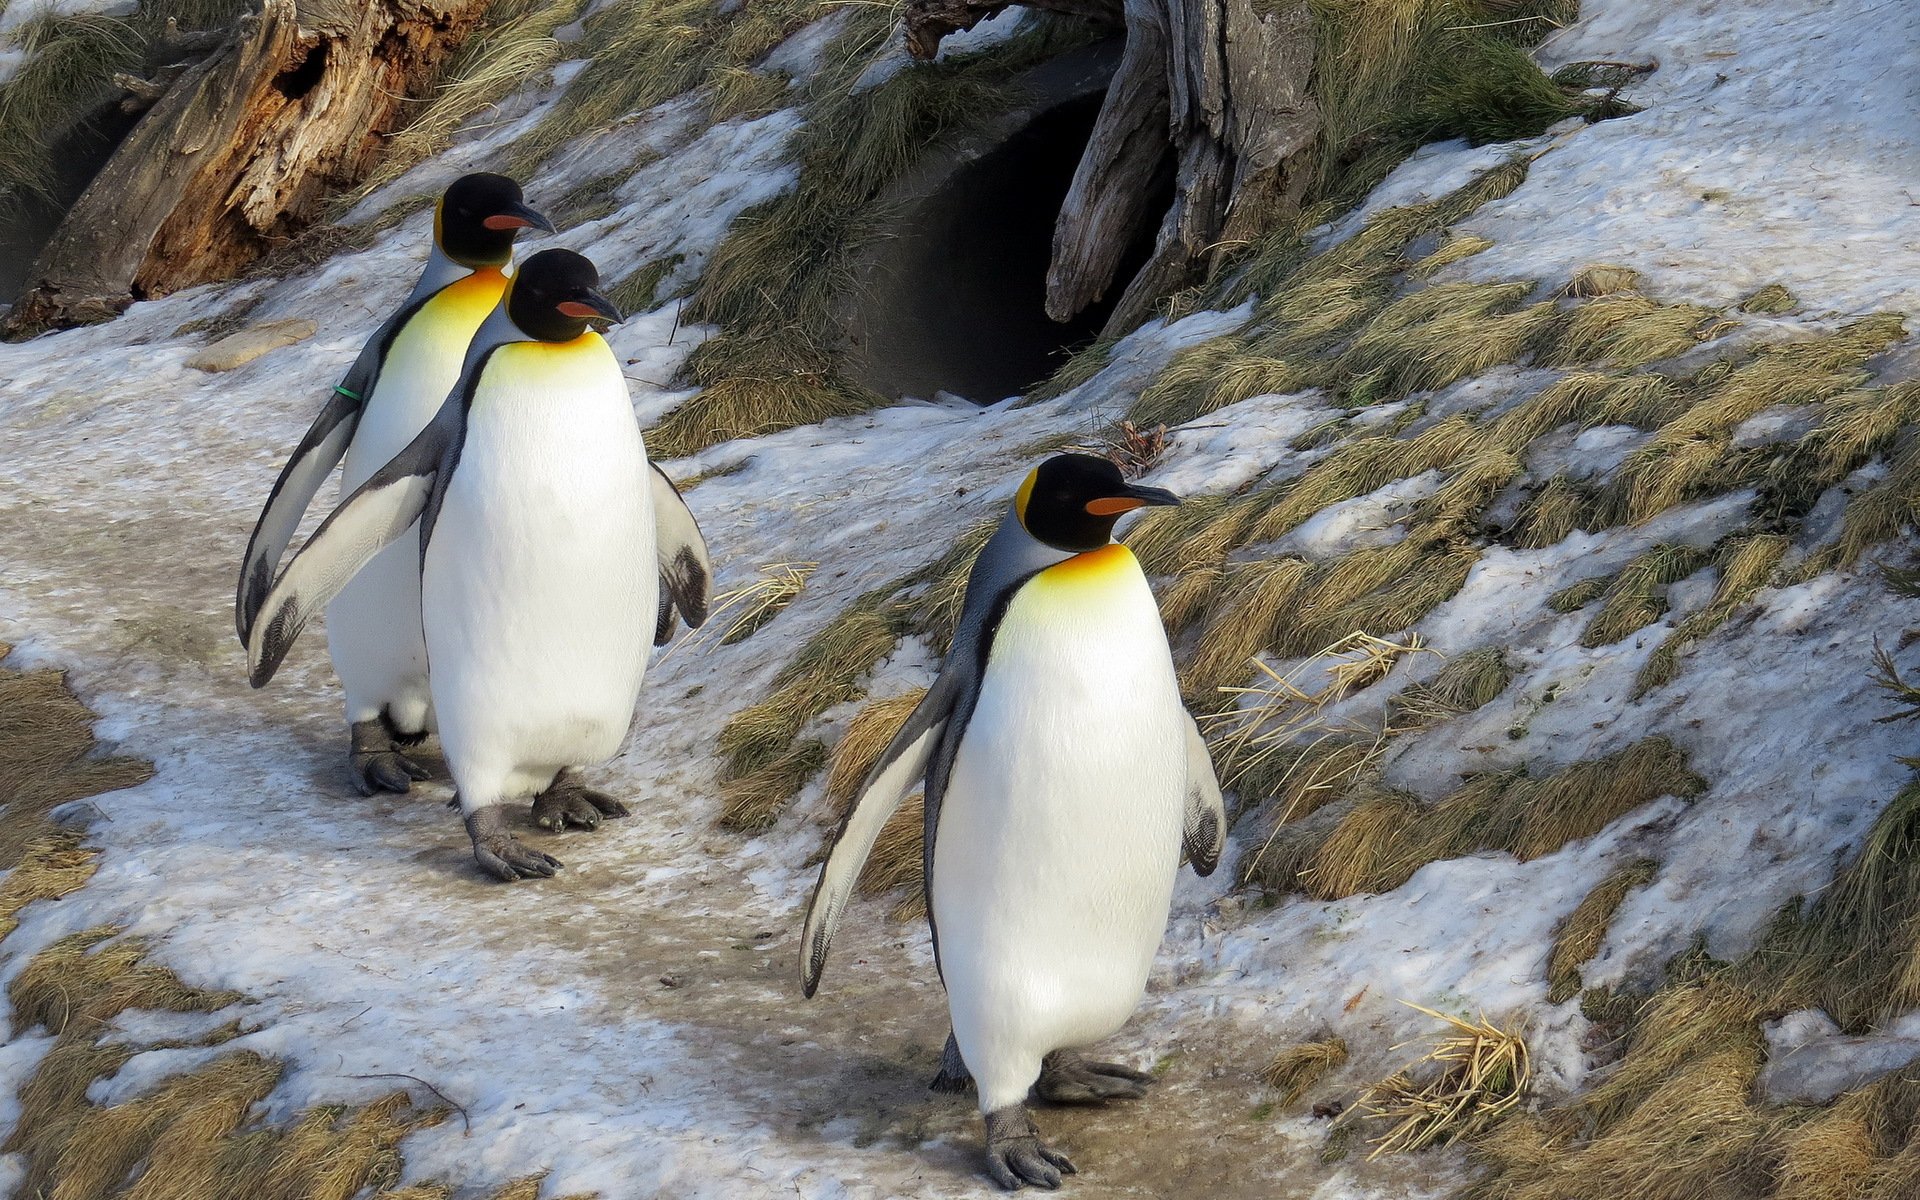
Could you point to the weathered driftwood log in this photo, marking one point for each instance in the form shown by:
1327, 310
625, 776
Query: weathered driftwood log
240, 152
1217, 87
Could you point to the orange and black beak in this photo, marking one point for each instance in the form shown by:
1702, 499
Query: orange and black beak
591, 305
1129, 498
518, 216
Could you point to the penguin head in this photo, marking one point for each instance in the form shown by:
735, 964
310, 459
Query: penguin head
1071, 501
476, 220
554, 294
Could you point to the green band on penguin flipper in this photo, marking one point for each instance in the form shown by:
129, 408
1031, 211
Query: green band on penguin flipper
348, 393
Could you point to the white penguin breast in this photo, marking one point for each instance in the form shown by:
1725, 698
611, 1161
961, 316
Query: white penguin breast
540, 580
1059, 834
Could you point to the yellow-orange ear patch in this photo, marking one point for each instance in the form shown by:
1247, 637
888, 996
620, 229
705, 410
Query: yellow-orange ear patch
1112, 506
1021, 497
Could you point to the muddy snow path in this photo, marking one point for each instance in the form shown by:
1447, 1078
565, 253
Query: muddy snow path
633, 1025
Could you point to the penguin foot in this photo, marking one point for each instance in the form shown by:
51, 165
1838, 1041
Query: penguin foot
569, 804
1070, 1078
1017, 1157
954, 1076
501, 854
376, 762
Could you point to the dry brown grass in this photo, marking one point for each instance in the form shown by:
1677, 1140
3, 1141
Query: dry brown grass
1475, 1074
1627, 331
1690, 454
1746, 565
1437, 335
1637, 596
517, 45
751, 801
1553, 514
46, 739
1456, 247
1467, 682
739, 93
1580, 934
1771, 300
1296, 1070
1603, 279
1280, 716
739, 613
1379, 839
826, 671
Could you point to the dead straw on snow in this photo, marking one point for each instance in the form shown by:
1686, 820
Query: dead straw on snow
1483, 1072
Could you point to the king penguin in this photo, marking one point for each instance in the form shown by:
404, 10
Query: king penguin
393, 388
551, 557
1063, 779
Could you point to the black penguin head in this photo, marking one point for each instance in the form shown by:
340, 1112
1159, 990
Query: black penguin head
1071, 501
477, 218
553, 295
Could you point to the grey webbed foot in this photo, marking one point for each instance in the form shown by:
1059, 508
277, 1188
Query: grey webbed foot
569, 804
503, 855
377, 763
1070, 1078
1017, 1157
954, 1076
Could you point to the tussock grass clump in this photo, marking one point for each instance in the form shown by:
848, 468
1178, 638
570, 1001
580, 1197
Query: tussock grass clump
1379, 841
1209, 377
825, 672
1636, 597
1552, 515
51, 867
1438, 335
46, 739
1477, 1073
1746, 565
1624, 330
739, 93
1295, 1071
748, 608
640, 291
1457, 247
1603, 279
1689, 455
1467, 682
516, 44
1771, 300
642, 52
1579, 936
1310, 305
752, 800
65, 75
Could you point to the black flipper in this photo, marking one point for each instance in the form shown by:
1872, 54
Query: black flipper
686, 575
370, 520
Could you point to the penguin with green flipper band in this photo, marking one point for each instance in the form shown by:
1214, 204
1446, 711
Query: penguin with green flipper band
1064, 779
551, 558
389, 394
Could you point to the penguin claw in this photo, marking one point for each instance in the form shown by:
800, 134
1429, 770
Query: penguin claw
385, 771
1068, 1078
1017, 1158
506, 857
569, 805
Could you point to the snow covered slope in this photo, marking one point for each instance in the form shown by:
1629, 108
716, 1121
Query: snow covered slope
634, 1026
